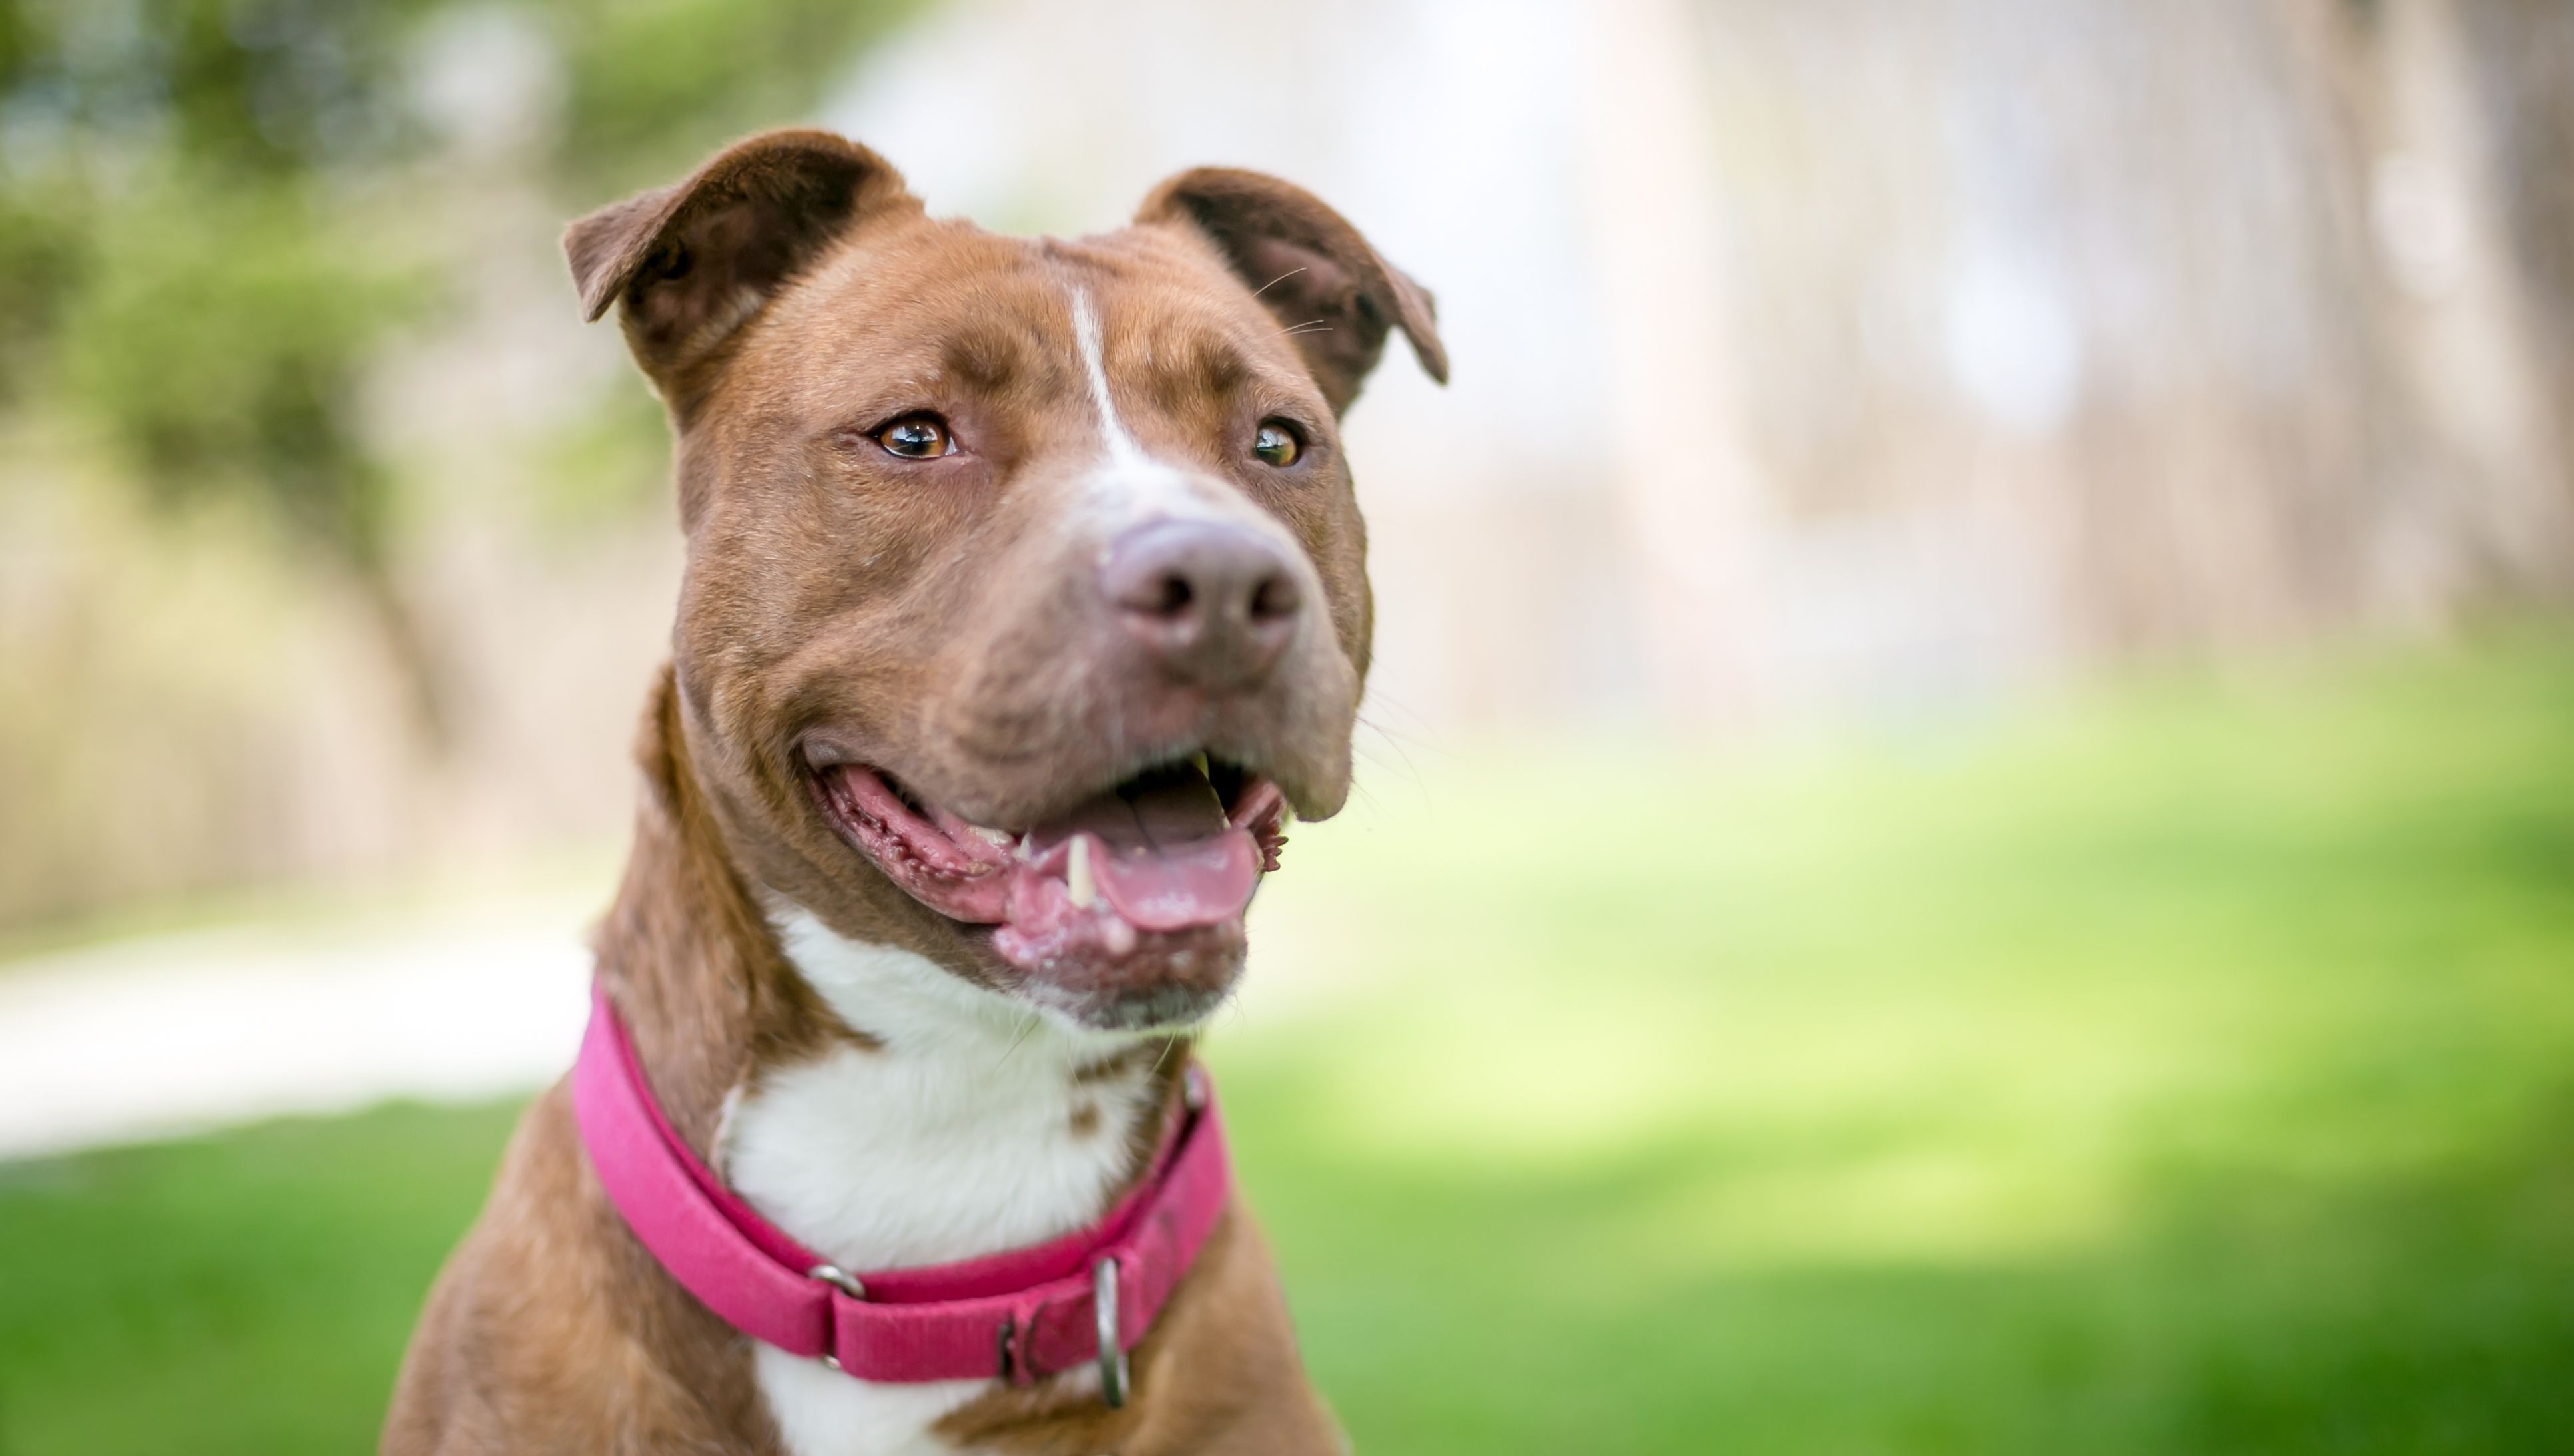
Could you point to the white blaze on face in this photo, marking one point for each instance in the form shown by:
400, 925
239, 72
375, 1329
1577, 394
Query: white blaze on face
1131, 486
1086, 338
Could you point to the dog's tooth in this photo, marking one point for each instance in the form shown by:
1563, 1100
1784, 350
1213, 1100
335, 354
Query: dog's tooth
1077, 883
1200, 761
997, 839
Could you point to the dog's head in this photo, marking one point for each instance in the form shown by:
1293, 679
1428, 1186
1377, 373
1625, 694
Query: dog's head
1026, 589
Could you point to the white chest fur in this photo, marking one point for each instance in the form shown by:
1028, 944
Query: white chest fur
969, 1131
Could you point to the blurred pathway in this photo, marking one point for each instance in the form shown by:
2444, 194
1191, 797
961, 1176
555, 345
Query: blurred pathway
164, 1036
171, 1035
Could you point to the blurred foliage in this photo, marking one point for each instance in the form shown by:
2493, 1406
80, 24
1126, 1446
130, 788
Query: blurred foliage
39, 254
593, 467
232, 367
201, 205
653, 84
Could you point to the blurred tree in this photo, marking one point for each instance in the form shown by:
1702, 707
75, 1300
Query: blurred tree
2523, 51
194, 249
2446, 143
221, 335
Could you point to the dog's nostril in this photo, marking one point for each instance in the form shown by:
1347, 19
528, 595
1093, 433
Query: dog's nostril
1173, 596
1275, 598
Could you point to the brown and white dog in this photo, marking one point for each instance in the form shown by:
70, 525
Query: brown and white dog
994, 546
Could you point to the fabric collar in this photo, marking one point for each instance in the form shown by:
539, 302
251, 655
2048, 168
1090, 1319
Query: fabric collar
1017, 1315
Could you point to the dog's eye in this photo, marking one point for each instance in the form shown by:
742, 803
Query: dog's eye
918, 438
1276, 445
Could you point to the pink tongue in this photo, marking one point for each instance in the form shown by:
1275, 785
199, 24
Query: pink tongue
1166, 860
1205, 883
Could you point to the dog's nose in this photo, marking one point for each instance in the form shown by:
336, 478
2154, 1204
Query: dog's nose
1216, 602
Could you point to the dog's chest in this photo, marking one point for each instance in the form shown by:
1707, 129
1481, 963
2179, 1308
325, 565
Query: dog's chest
969, 1131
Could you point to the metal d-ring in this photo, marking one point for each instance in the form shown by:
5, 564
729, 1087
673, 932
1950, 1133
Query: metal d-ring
1103, 1306
838, 1278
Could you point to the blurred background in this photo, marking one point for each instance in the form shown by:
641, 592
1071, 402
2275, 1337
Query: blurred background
1966, 831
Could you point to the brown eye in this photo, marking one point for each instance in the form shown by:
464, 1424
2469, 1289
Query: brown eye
1276, 445
918, 438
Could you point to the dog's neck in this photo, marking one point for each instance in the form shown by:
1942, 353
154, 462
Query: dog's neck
877, 1107
970, 1125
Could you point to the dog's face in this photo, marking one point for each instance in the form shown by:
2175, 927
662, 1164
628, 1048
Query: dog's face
1026, 587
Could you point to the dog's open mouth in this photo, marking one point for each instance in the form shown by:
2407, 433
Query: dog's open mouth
1158, 866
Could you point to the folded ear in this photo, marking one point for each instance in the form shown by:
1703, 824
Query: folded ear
692, 261
1310, 269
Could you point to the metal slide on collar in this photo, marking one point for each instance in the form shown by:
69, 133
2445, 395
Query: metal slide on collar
1103, 1306
842, 1280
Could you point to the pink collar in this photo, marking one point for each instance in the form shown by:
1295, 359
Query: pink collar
1015, 1316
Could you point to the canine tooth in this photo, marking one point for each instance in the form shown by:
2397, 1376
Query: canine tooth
1200, 760
997, 839
1077, 875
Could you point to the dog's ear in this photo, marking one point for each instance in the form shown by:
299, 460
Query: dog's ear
692, 261
1310, 269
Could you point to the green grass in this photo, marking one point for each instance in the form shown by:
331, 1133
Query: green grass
242, 1294
2188, 1070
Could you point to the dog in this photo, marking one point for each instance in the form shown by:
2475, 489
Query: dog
1025, 603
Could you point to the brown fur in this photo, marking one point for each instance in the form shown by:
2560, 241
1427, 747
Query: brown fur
787, 298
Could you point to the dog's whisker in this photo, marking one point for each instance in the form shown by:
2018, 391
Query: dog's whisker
1275, 282
1025, 1026
1380, 704
1402, 756
1393, 742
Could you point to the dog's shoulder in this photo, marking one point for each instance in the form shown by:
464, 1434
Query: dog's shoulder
547, 1327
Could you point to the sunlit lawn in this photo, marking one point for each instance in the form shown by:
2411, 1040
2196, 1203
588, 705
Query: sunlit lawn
2191, 1072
